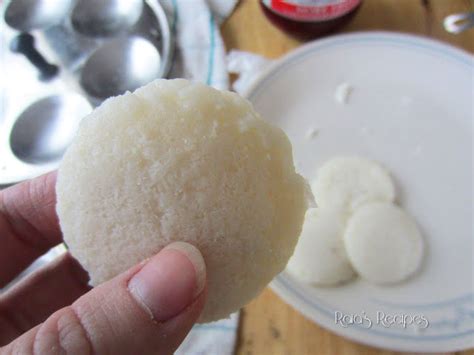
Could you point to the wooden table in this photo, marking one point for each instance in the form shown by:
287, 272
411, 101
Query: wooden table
268, 325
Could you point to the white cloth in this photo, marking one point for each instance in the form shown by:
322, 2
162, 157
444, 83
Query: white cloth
216, 338
200, 52
248, 66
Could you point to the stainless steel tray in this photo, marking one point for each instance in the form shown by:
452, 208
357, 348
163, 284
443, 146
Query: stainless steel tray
38, 119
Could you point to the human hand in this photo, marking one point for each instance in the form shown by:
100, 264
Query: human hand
148, 309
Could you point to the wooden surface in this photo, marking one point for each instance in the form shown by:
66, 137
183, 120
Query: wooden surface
268, 325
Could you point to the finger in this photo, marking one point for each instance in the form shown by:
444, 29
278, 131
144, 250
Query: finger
42, 293
28, 224
147, 310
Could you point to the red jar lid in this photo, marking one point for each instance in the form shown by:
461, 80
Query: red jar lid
309, 18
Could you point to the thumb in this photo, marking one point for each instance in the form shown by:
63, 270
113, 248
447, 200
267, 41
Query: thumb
149, 309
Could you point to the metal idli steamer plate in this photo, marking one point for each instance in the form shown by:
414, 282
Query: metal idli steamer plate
38, 120
128, 62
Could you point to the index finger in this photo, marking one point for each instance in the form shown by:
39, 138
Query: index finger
28, 224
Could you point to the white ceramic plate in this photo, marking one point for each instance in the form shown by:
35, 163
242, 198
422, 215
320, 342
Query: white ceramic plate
412, 110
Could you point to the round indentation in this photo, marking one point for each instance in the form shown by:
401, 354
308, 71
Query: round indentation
43, 131
121, 64
105, 17
27, 15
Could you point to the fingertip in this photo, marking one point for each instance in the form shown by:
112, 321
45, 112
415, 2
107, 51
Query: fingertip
196, 258
170, 281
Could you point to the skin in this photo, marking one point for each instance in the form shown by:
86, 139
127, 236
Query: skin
148, 309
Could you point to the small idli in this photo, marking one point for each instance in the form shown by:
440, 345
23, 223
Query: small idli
383, 243
345, 183
320, 257
181, 161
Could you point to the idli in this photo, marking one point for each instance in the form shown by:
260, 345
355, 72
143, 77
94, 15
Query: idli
320, 257
383, 243
181, 161
347, 182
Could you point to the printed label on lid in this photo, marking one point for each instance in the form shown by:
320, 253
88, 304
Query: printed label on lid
311, 10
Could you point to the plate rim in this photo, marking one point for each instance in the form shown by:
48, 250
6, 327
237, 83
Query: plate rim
277, 285
415, 39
